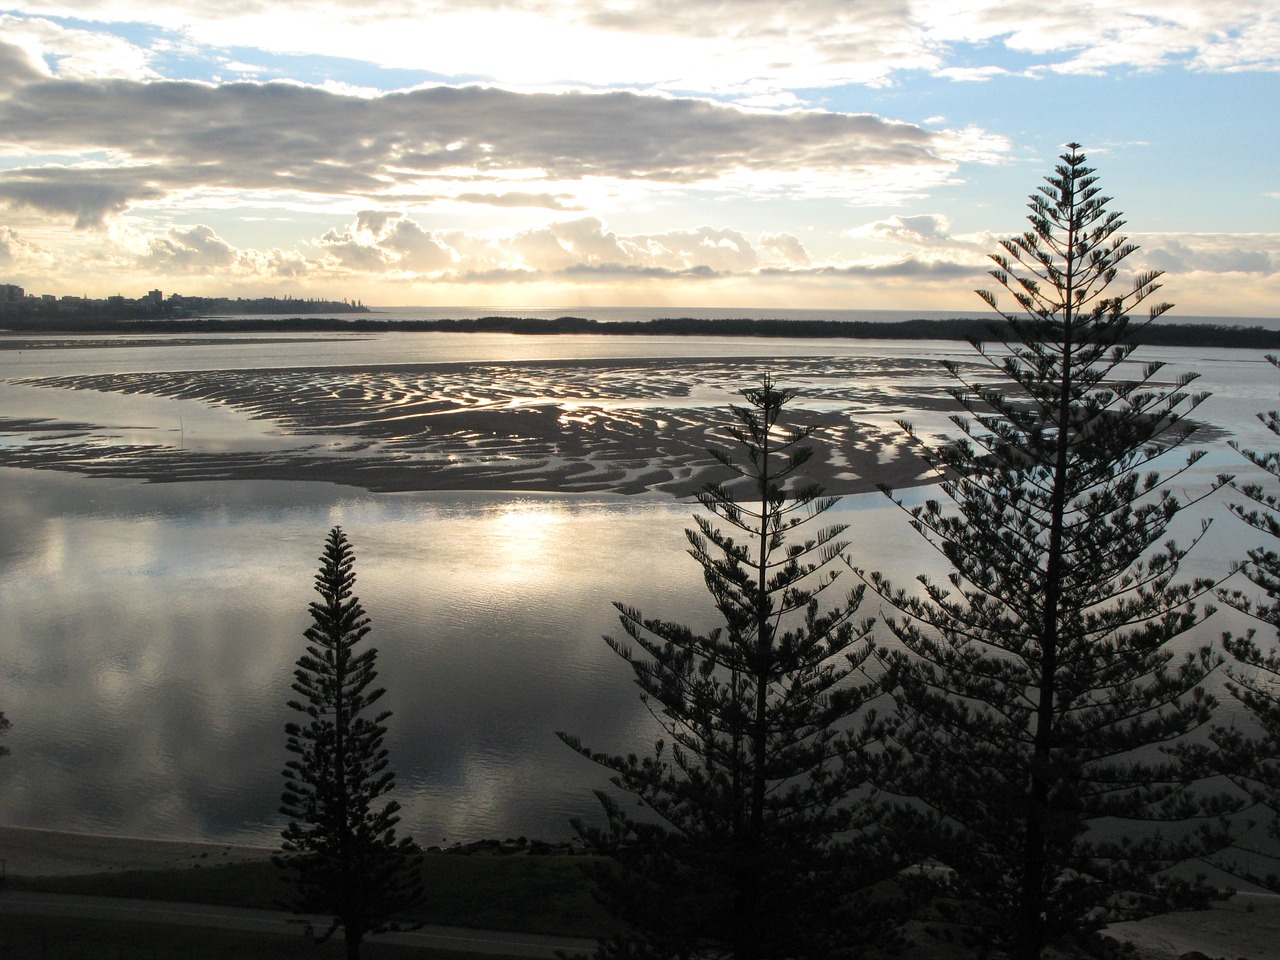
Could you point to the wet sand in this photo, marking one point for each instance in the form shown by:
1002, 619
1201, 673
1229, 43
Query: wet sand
620, 426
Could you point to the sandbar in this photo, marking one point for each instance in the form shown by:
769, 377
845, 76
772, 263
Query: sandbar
598, 426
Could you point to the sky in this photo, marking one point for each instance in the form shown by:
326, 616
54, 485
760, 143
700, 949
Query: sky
838, 154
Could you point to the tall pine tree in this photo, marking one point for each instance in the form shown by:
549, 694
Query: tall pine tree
340, 845
741, 847
1257, 687
1252, 758
1036, 684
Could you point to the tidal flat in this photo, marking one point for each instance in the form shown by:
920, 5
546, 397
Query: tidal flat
591, 426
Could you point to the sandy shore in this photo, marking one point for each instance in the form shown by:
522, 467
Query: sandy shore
36, 853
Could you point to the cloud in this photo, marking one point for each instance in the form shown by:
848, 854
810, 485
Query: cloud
544, 200
571, 247
416, 250
909, 267
725, 251
972, 74
760, 50
19, 64
9, 246
347, 251
88, 195
783, 250
74, 53
1181, 254
277, 137
923, 230
375, 221
1095, 36
194, 250
394, 246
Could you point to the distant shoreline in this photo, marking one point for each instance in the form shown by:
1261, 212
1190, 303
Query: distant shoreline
959, 328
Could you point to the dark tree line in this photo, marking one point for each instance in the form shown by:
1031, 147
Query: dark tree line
955, 328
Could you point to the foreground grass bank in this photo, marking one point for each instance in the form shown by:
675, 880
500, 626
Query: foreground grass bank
520, 893
62, 938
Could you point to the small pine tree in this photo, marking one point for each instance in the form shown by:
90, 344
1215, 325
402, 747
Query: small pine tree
739, 850
340, 847
1037, 684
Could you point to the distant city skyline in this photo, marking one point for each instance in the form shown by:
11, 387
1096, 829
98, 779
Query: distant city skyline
817, 154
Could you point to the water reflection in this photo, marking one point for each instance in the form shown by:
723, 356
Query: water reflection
150, 639
148, 634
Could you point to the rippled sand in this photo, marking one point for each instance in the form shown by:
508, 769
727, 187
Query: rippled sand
602, 426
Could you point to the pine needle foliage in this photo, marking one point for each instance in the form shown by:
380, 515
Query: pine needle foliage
1255, 675
1258, 687
741, 844
339, 846
1036, 684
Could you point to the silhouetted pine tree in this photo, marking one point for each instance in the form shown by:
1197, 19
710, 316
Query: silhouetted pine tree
1252, 758
738, 849
1035, 685
340, 846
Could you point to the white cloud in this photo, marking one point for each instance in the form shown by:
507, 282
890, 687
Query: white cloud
392, 245
194, 250
758, 50
416, 250
1093, 36
972, 74
784, 250
349, 251
76, 54
19, 255
920, 230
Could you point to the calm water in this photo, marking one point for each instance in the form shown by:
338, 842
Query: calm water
148, 631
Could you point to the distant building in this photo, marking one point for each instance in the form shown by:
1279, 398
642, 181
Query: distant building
10, 293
